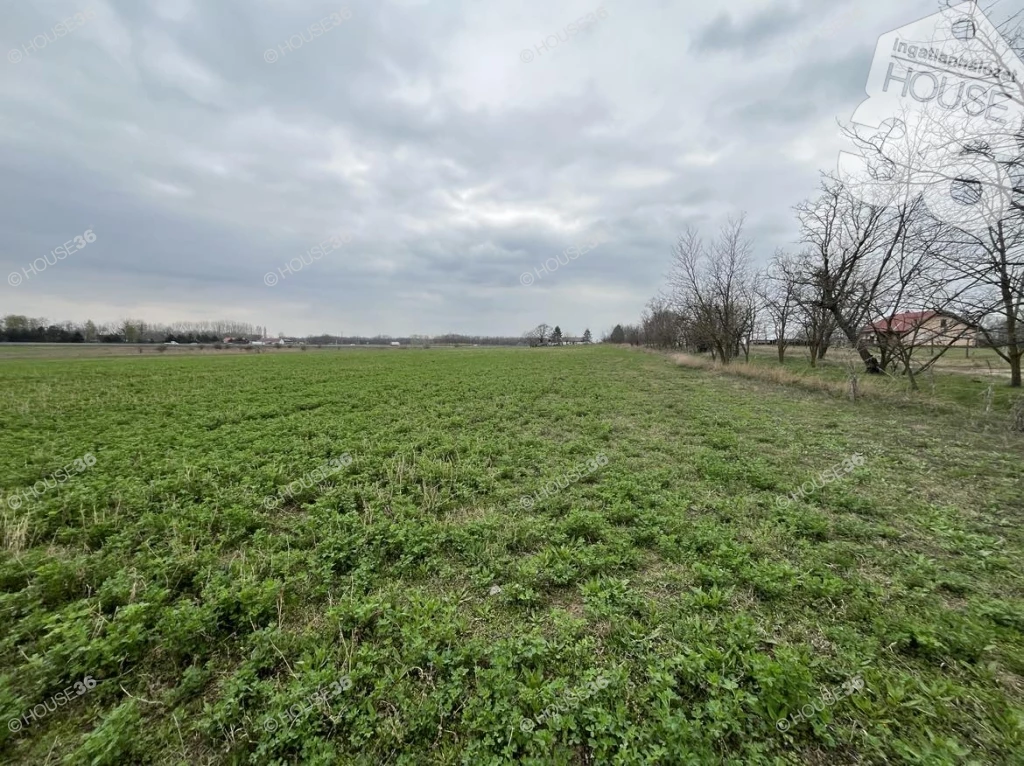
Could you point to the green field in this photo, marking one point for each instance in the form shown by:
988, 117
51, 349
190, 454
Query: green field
570, 556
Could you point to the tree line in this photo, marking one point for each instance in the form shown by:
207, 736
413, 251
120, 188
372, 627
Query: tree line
870, 265
544, 335
859, 269
16, 328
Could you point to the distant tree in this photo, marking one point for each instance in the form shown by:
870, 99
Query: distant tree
90, 331
779, 296
991, 263
853, 249
618, 335
587, 337
659, 324
15, 325
537, 335
556, 336
130, 330
713, 289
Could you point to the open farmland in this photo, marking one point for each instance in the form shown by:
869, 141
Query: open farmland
534, 555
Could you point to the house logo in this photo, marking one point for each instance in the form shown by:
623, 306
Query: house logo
945, 105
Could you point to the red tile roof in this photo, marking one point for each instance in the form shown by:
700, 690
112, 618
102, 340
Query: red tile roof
899, 324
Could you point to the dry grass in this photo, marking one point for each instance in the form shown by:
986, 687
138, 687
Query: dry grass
878, 389
1017, 416
785, 377
14, 532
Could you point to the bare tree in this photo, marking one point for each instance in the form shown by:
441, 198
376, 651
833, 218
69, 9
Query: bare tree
751, 307
853, 248
660, 324
967, 164
815, 322
920, 290
712, 289
633, 334
992, 264
778, 295
538, 335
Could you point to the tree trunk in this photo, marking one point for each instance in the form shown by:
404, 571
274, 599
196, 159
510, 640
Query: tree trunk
871, 366
1013, 350
1013, 346
911, 376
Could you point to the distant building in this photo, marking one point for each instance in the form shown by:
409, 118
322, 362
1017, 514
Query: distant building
566, 341
274, 342
921, 328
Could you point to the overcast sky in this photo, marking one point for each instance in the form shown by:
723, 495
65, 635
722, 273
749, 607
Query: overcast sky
422, 133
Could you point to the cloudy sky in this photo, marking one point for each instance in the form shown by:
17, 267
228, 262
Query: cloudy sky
450, 148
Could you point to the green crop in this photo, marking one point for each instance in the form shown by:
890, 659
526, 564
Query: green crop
565, 556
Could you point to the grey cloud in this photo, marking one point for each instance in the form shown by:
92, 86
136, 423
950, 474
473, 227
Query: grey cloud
817, 87
414, 128
725, 33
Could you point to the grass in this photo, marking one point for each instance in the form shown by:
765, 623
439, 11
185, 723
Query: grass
536, 555
956, 381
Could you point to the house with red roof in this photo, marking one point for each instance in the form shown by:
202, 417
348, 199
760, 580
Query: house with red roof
920, 328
